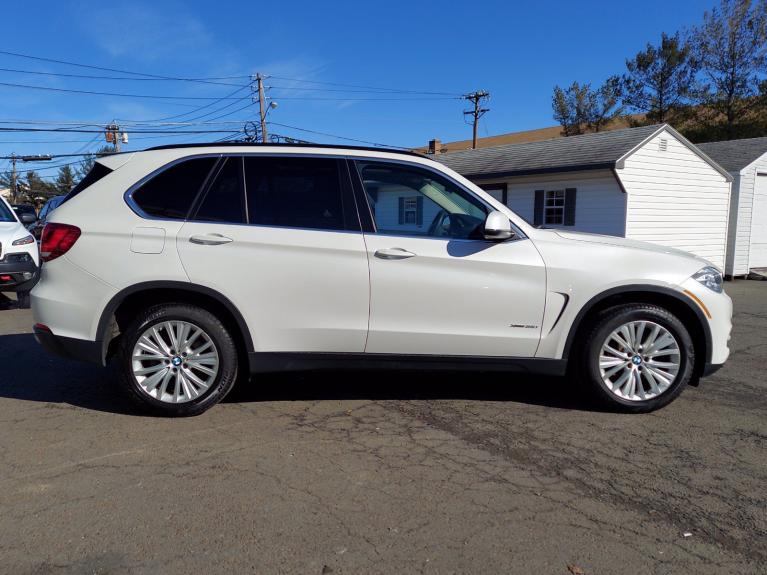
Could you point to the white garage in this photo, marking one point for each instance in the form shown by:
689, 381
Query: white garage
746, 160
647, 183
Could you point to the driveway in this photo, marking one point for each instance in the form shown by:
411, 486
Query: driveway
374, 472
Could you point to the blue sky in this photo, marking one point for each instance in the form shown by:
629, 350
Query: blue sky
518, 51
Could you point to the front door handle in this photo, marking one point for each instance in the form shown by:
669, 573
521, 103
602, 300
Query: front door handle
210, 240
393, 254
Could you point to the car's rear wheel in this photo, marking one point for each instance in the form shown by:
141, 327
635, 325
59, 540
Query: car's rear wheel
178, 360
638, 357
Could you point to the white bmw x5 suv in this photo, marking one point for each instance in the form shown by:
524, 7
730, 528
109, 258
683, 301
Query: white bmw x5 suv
192, 265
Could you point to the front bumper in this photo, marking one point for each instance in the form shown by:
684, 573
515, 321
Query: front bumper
68, 347
18, 274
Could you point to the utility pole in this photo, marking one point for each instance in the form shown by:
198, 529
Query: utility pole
476, 99
13, 178
114, 136
259, 79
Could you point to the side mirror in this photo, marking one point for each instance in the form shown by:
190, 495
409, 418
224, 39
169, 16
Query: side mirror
27, 219
497, 227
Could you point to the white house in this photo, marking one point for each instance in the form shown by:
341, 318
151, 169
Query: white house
647, 183
746, 160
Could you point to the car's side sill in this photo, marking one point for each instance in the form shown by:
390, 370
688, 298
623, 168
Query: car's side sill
265, 362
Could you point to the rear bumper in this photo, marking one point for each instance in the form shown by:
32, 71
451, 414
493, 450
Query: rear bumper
69, 347
23, 275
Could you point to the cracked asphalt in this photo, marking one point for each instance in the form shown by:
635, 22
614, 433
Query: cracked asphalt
369, 472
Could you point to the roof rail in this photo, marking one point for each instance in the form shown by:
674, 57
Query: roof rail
283, 145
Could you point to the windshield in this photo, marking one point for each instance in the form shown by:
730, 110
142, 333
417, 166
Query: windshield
6, 215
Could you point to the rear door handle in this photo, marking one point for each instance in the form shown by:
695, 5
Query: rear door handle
210, 240
393, 254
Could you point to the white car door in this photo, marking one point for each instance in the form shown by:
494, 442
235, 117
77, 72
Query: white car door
436, 287
280, 237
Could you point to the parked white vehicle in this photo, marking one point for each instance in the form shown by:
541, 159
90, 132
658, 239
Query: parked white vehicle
193, 264
19, 259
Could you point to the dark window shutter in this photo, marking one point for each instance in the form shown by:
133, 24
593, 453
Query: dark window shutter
540, 197
570, 206
419, 211
401, 210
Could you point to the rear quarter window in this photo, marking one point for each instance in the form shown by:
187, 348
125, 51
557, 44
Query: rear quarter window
97, 172
170, 193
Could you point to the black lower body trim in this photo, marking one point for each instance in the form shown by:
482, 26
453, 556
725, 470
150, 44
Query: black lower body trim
264, 362
69, 347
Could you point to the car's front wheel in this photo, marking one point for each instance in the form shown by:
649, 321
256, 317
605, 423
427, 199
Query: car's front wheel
177, 360
638, 357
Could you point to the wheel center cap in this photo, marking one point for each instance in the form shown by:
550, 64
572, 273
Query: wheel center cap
176, 361
636, 360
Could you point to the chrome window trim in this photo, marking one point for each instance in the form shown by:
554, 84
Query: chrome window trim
128, 195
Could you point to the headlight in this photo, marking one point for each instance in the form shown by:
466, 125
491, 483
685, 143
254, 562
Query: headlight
710, 277
24, 241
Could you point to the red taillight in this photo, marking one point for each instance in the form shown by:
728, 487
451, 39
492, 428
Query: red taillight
57, 240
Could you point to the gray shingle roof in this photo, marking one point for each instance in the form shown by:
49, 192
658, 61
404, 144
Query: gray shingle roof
589, 151
734, 155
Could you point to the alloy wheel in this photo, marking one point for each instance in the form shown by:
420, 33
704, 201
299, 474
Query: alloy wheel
175, 361
639, 360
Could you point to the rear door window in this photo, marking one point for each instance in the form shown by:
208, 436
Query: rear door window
169, 194
296, 192
225, 199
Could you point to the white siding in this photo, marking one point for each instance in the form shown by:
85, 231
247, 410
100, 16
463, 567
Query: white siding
757, 257
739, 237
600, 205
676, 199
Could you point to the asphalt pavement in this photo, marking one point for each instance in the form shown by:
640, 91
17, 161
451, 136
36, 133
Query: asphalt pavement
383, 472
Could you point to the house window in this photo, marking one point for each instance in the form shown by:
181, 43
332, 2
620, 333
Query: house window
554, 209
411, 210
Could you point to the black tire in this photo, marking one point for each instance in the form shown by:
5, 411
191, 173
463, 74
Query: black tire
213, 328
22, 299
609, 320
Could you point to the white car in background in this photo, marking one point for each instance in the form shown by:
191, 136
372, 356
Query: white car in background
19, 259
193, 264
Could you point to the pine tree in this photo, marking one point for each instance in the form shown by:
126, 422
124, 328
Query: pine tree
731, 45
65, 180
579, 109
660, 79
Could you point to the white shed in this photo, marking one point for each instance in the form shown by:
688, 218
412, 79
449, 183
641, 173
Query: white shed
647, 183
746, 160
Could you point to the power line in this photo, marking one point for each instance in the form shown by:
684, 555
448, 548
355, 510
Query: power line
93, 77
99, 123
403, 91
354, 91
353, 99
205, 106
139, 131
104, 69
122, 95
337, 137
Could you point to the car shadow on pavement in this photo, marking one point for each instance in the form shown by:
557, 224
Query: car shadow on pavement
413, 385
29, 374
